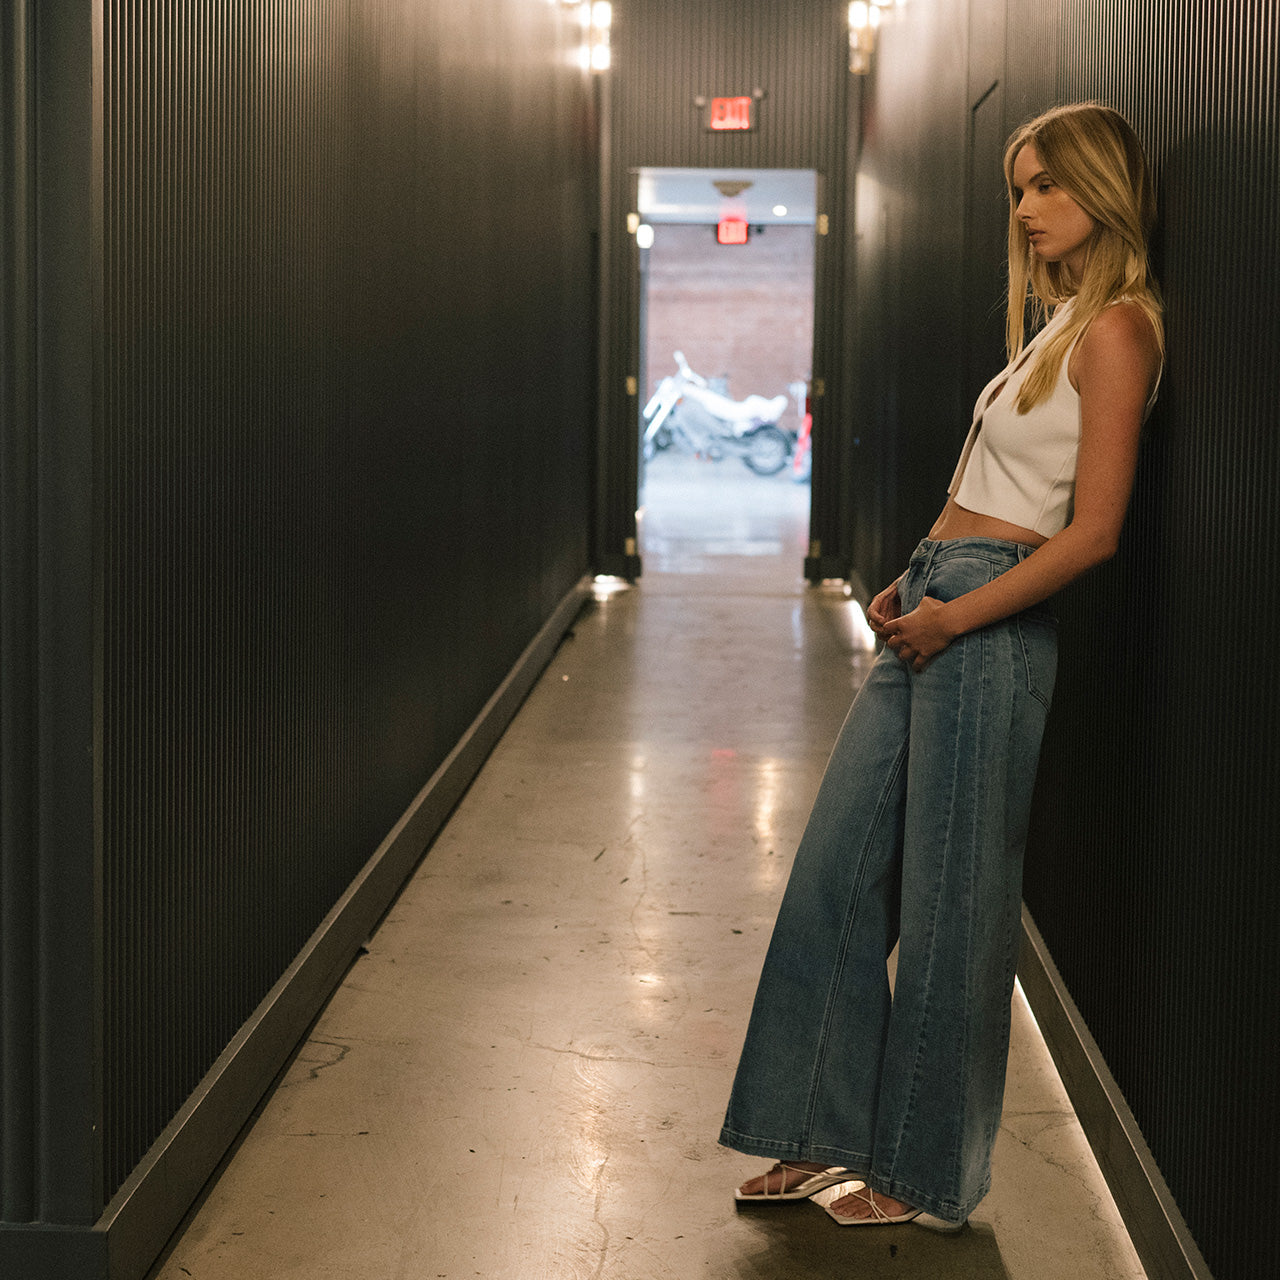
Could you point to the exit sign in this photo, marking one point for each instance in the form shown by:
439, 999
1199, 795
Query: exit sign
731, 115
732, 231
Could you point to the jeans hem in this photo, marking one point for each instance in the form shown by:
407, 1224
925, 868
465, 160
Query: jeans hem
784, 1149
951, 1211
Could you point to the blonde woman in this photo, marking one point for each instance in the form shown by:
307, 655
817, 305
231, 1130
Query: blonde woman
917, 833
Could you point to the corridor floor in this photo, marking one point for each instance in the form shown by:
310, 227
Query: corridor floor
524, 1076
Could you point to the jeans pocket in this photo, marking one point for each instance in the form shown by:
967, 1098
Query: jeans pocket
957, 576
1037, 632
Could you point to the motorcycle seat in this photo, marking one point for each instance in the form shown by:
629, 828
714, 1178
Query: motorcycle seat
752, 409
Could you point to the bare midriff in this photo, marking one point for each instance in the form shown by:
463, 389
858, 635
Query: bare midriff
957, 522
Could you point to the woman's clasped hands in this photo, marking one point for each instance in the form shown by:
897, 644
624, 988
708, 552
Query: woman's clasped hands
915, 637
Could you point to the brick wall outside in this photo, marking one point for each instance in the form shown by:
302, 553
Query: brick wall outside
744, 312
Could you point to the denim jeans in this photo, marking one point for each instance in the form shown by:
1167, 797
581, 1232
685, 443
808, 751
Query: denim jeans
916, 838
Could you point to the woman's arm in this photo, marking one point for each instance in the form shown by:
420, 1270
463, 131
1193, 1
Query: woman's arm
1114, 368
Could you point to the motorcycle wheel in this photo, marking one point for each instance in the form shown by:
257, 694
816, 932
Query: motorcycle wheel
661, 440
767, 451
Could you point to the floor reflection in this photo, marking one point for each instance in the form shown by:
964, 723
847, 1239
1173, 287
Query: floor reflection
792, 1241
702, 517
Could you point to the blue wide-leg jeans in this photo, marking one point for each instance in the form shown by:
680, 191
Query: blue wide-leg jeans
916, 838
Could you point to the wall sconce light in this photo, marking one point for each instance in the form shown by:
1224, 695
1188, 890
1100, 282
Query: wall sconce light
596, 18
865, 17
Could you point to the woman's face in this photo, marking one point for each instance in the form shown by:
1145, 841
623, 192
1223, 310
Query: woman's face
1057, 227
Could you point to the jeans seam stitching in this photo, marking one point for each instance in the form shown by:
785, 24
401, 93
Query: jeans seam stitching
842, 950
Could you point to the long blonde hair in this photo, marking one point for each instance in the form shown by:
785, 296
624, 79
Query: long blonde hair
1092, 153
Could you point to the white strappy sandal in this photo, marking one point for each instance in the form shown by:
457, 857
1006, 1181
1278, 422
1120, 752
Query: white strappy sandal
878, 1216
813, 1183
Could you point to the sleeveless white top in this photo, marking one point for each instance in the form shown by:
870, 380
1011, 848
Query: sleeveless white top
1021, 467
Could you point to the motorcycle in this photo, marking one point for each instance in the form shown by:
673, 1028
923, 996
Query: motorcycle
687, 412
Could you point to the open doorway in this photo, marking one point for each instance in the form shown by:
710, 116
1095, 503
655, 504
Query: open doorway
726, 348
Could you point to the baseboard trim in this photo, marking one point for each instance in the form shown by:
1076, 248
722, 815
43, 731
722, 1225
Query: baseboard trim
137, 1224
820, 568
1159, 1233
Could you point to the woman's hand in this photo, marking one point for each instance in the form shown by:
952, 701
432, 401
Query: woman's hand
916, 636
884, 608
919, 636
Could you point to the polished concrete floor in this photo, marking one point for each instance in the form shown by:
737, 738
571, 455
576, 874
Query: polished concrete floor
525, 1074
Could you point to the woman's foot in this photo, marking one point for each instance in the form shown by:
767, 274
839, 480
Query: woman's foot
865, 1207
792, 1180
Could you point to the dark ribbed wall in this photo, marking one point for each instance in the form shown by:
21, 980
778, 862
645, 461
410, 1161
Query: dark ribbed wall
667, 53
1186, 886
344, 465
50, 971
908, 334
1151, 869
336, 368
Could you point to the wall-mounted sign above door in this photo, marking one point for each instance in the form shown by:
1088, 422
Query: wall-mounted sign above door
732, 231
731, 115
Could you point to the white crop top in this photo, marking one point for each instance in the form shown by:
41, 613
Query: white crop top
1021, 467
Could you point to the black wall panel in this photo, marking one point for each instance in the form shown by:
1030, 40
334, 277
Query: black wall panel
908, 338
1184, 886
1151, 870
50, 972
328, 364
668, 54
345, 439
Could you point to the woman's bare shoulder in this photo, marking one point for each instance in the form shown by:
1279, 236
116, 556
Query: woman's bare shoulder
1119, 336
1125, 322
